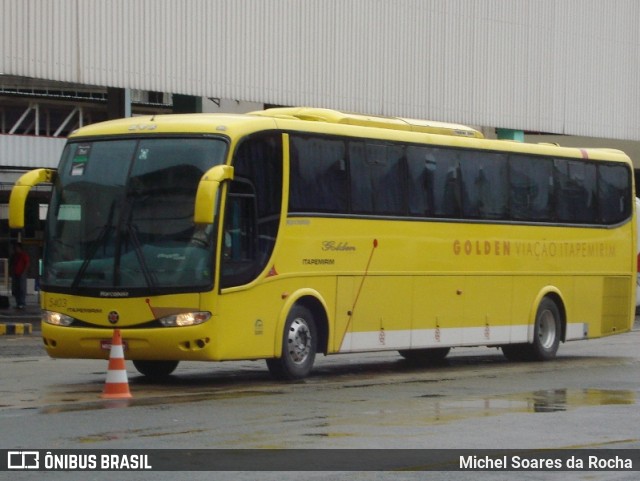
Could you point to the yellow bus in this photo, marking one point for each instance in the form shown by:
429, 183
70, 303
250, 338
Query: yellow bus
286, 233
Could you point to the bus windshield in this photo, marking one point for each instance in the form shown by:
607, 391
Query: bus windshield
120, 220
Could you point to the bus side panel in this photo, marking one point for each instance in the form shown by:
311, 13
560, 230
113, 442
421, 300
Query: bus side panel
462, 311
380, 312
487, 310
585, 307
528, 291
437, 311
345, 292
616, 296
247, 322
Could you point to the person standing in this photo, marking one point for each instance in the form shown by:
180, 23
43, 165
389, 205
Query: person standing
19, 268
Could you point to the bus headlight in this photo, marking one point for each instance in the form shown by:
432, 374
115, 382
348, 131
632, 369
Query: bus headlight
185, 319
56, 318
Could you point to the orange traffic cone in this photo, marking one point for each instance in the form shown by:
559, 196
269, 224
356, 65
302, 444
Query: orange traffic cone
117, 385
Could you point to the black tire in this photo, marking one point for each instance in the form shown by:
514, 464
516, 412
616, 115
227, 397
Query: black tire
425, 356
155, 369
299, 346
547, 332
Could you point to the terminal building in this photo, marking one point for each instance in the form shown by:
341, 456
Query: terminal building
562, 71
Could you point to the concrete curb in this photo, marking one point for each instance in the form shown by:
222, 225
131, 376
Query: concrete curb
15, 328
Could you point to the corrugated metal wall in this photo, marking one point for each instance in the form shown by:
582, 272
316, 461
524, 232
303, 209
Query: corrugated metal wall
565, 66
29, 151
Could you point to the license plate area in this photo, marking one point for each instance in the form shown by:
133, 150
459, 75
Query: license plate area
105, 345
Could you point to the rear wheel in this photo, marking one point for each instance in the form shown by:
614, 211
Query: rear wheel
299, 346
546, 336
155, 369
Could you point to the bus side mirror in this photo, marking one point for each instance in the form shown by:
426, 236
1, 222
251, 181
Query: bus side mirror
20, 190
207, 193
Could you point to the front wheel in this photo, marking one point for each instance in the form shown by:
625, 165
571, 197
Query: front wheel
299, 346
155, 369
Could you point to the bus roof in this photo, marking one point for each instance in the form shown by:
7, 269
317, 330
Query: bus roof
332, 122
393, 123
194, 123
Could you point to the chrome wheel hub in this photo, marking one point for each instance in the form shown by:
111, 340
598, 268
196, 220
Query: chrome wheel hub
299, 341
547, 329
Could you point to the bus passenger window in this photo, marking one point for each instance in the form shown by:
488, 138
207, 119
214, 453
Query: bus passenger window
376, 178
613, 193
575, 191
531, 188
318, 177
420, 168
484, 185
446, 180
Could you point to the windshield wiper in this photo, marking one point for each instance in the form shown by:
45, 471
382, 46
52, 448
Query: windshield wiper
137, 248
127, 227
95, 245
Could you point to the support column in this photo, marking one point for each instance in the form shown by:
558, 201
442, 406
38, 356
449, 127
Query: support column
118, 103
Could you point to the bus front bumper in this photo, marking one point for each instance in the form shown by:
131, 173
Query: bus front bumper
195, 343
